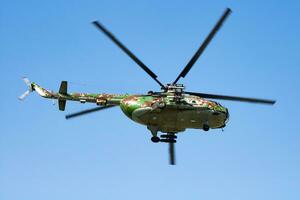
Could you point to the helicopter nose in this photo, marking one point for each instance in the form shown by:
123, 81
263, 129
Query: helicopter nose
227, 115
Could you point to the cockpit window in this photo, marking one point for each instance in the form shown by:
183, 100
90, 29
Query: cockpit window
217, 103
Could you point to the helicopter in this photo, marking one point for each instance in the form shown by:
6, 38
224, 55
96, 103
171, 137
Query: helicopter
169, 111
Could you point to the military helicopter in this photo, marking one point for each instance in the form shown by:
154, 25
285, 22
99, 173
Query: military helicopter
169, 111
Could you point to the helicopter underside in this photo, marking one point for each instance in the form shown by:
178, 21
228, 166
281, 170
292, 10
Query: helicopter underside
174, 120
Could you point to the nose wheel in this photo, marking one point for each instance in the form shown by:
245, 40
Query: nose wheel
206, 127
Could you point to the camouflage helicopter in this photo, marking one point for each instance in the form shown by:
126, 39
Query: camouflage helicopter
169, 111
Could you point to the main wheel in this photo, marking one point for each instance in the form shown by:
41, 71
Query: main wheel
155, 139
205, 127
169, 136
168, 140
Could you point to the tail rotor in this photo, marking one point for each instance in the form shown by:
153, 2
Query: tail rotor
30, 89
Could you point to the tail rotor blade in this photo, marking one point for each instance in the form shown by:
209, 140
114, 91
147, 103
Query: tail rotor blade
27, 82
30, 89
24, 95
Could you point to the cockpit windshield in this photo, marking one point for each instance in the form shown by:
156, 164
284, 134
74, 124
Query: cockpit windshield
217, 103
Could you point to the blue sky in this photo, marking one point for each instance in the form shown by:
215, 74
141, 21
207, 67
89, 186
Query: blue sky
105, 155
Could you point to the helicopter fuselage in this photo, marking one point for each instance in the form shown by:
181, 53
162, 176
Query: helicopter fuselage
166, 114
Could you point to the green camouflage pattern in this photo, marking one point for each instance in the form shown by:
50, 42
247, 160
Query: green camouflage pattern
191, 112
160, 111
99, 99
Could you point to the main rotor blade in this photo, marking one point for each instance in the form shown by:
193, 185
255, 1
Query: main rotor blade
76, 114
127, 51
233, 98
172, 153
204, 45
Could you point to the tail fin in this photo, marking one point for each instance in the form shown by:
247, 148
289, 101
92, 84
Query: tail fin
63, 89
30, 88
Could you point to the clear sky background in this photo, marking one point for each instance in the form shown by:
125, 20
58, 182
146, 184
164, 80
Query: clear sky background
105, 155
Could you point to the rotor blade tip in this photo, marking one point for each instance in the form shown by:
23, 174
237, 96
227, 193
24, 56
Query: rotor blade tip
96, 23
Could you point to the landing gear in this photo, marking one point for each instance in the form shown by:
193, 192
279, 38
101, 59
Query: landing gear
167, 138
155, 139
154, 130
171, 139
206, 127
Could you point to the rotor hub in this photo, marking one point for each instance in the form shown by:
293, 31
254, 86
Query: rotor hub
174, 88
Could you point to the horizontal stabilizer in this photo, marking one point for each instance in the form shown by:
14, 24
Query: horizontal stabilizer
63, 89
62, 104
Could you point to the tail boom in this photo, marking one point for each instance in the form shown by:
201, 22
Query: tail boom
63, 96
